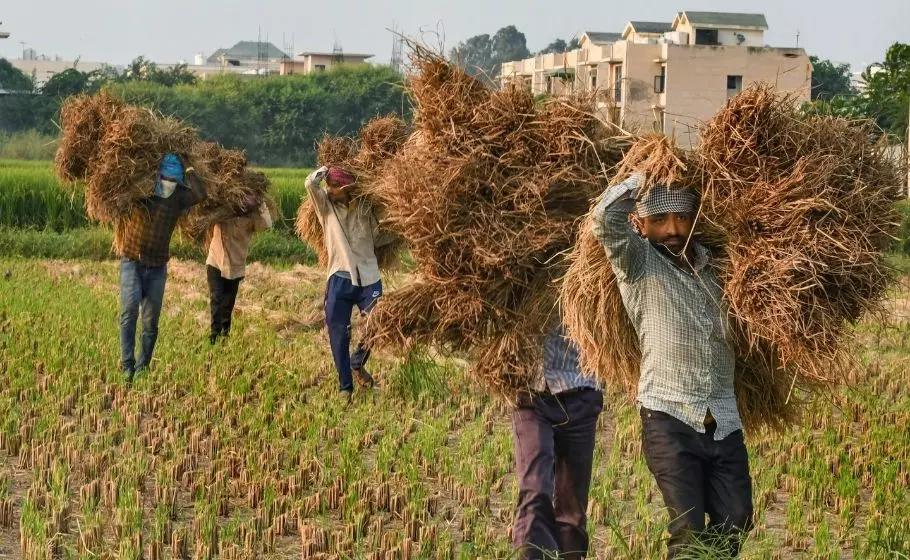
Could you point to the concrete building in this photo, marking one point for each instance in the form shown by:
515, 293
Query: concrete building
43, 69
307, 62
668, 77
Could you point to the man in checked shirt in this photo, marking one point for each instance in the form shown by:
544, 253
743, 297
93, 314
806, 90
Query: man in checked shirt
692, 435
554, 426
143, 242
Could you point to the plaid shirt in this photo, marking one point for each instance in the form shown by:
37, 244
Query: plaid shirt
687, 356
560, 365
146, 233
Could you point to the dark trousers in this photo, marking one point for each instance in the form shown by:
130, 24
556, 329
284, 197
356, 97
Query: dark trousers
141, 292
699, 476
554, 455
223, 296
341, 295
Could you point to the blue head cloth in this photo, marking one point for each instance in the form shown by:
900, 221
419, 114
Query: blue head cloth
170, 169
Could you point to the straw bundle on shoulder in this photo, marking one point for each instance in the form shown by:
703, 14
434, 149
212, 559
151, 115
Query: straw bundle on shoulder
798, 210
122, 172
331, 151
83, 120
488, 193
804, 206
365, 157
229, 185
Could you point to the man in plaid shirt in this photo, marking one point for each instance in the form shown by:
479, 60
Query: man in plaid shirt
143, 245
553, 426
692, 435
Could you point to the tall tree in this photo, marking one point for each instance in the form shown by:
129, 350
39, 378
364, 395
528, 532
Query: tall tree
888, 89
64, 84
13, 79
509, 44
557, 46
475, 55
830, 79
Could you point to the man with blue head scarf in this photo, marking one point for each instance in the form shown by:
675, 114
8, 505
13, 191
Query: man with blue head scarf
143, 241
692, 434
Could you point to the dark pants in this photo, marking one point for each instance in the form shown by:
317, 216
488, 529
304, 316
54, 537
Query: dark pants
223, 295
141, 291
698, 475
554, 455
341, 296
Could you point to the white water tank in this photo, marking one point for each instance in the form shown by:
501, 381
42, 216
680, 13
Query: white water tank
200, 59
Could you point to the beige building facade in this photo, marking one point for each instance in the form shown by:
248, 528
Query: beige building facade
671, 76
308, 62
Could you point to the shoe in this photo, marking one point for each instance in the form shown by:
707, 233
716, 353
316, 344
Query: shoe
364, 378
346, 397
128, 377
213, 338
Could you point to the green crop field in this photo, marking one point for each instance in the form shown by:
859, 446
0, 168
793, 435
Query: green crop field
242, 450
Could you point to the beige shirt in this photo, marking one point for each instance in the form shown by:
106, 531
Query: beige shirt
351, 235
231, 243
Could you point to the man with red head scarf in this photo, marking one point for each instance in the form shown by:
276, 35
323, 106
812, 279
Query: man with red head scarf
351, 234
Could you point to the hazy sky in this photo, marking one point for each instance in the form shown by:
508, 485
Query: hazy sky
168, 30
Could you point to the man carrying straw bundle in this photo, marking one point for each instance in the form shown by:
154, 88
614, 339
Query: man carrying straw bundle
143, 245
691, 429
553, 428
226, 262
351, 236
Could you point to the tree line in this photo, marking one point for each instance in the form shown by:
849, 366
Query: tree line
277, 120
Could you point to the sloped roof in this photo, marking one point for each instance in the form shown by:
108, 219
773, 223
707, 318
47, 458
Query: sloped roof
651, 26
248, 50
724, 19
603, 38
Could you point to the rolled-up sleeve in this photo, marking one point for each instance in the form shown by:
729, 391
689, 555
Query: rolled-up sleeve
624, 246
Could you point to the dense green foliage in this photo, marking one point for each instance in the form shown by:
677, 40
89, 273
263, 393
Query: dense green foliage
277, 120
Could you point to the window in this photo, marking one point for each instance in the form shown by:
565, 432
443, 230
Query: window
660, 82
320, 67
594, 78
706, 37
734, 85
617, 83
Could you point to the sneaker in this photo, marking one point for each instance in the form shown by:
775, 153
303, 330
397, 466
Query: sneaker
364, 378
346, 397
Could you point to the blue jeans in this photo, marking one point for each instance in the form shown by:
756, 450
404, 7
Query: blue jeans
141, 291
341, 296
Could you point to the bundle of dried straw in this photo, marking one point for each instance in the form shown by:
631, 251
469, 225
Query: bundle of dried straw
487, 193
797, 210
115, 149
365, 157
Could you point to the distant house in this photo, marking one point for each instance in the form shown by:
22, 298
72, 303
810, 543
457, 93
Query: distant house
667, 77
248, 53
598, 38
308, 62
644, 31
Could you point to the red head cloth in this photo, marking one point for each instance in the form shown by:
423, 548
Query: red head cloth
338, 177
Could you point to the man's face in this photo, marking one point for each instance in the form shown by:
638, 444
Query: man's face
671, 230
338, 195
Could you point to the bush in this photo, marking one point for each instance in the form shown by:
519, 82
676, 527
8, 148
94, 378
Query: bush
28, 145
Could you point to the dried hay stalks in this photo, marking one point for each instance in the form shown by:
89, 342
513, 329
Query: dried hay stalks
365, 157
116, 148
122, 172
487, 193
799, 209
228, 183
804, 207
